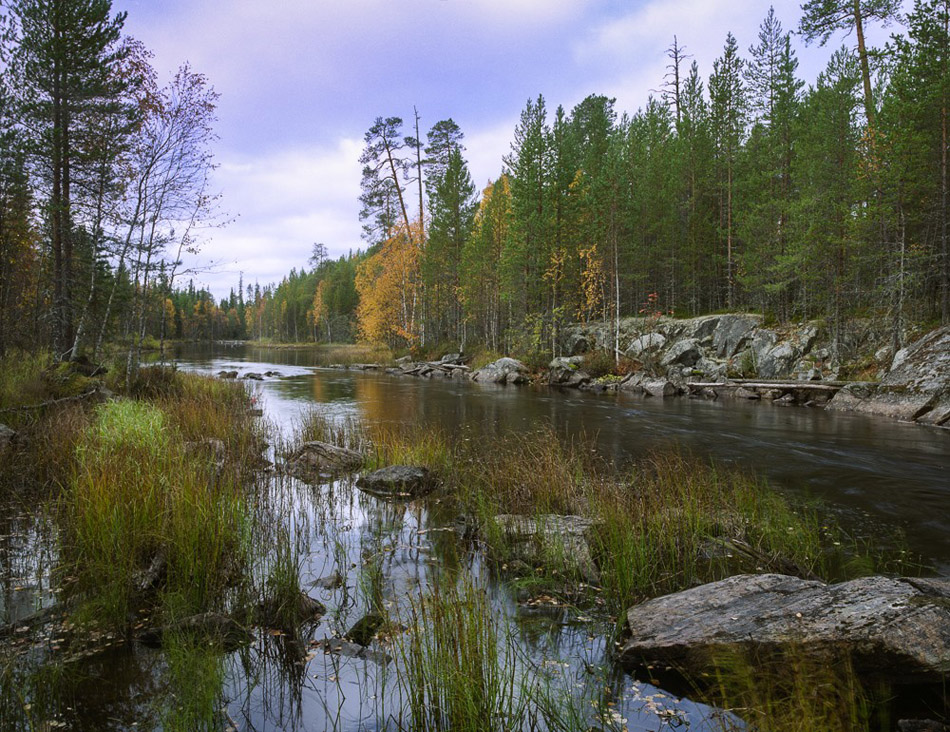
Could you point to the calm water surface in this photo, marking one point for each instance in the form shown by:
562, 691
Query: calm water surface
875, 476
878, 474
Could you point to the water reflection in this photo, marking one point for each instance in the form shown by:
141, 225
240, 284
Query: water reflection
894, 473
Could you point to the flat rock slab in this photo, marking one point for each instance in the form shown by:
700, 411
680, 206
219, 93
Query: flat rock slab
343, 647
398, 481
312, 460
895, 628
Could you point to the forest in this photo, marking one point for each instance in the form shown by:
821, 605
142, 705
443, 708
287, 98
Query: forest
749, 189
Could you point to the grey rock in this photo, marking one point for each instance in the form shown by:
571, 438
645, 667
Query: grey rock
363, 630
313, 460
684, 353
743, 393
253, 376
900, 627
272, 612
330, 582
343, 647
916, 388
551, 537
398, 481
452, 358
732, 333
228, 374
577, 344
660, 388
646, 344
778, 362
566, 371
503, 371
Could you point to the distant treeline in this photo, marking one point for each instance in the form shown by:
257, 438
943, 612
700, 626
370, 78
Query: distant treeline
741, 190
745, 190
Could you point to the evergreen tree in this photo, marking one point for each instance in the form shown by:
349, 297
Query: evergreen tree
64, 63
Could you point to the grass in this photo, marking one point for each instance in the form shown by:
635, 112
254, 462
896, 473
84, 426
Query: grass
789, 691
457, 664
141, 492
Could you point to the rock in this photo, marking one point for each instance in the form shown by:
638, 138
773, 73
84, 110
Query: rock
273, 612
646, 344
899, 627
503, 371
578, 344
273, 374
398, 481
151, 577
921, 725
916, 388
363, 630
404, 359
660, 388
547, 537
222, 628
743, 393
313, 460
253, 376
566, 372
228, 374
778, 362
330, 582
684, 353
732, 333
455, 359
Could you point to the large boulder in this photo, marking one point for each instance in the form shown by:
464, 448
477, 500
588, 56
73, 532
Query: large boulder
503, 371
566, 371
682, 353
917, 387
316, 460
646, 344
733, 332
398, 481
896, 627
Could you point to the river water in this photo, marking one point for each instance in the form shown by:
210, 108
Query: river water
880, 475
876, 476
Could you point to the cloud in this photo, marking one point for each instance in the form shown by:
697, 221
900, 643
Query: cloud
284, 203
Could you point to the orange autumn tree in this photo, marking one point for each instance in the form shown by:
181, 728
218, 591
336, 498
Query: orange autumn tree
389, 290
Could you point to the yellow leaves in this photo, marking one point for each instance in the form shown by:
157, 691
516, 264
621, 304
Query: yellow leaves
389, 287
593, 281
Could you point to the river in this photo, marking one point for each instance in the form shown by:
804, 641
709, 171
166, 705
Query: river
878, 475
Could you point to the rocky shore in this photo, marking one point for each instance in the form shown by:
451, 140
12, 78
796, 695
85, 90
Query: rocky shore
737, 356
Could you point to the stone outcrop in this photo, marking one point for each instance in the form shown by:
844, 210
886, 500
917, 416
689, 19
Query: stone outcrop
503, 371
398, 481
916, 388
898, 627
567, 371
317, 460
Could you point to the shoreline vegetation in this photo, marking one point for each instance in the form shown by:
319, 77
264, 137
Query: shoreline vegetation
163, 535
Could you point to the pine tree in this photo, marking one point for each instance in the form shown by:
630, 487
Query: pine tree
64, 63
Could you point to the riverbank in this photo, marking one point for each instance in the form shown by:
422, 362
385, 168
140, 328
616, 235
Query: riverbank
733, 356
564, 530
525, 542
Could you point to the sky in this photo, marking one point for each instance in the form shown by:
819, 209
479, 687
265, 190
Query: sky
300, 82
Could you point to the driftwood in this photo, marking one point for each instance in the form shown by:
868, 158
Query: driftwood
96, 391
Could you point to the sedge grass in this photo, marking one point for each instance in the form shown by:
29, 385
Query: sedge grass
137, 493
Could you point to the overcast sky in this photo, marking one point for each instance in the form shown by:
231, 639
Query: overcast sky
302, 80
